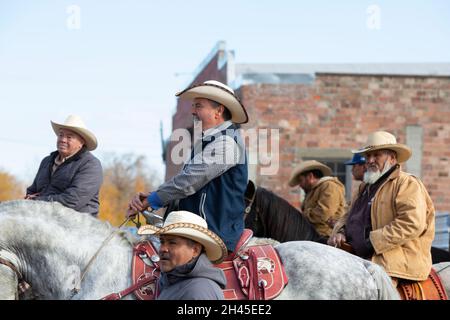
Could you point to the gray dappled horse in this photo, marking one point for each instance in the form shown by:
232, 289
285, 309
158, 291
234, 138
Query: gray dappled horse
50, 245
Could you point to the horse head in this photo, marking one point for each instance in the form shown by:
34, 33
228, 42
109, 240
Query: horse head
50, 246
251, 213
271, 216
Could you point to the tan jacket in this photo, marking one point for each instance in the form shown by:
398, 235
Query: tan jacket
403, 218
325, 204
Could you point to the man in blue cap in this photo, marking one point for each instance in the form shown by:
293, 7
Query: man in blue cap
359, 166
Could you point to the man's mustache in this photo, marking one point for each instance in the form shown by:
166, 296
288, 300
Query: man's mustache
164, 256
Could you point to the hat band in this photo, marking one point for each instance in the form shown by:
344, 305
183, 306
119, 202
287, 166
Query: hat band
196, 227
211, 85
381, 145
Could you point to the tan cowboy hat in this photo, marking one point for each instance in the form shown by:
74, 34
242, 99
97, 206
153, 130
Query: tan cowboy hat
384, 140
306, 166
75, 124
217, 91
192, 226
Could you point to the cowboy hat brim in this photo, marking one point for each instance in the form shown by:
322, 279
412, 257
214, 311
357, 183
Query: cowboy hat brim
403, 151
215, 249
88, 136
220, 95
294, 180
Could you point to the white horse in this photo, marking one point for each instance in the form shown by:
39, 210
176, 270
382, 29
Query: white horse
50, 246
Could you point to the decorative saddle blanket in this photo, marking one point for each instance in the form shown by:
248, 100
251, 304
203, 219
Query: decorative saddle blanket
253, 273
429, 289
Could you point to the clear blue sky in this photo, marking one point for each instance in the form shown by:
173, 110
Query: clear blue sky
118, 71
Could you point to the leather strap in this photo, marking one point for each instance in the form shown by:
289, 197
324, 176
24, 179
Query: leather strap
127, 291
12, 267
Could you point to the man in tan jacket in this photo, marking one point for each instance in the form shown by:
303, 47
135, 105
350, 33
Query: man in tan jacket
324, 203
392, 220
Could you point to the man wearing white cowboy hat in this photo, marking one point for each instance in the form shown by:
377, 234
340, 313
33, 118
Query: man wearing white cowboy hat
186, 252
71, 175
392, 220
325, 195
213, 181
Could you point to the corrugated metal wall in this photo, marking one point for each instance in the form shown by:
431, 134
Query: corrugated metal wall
441, 237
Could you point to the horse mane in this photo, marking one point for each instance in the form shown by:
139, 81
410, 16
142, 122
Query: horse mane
282, 221
34, 214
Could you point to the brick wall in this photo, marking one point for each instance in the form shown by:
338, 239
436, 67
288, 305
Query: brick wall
337, 112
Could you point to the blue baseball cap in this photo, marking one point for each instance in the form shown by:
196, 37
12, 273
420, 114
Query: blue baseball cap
357, 159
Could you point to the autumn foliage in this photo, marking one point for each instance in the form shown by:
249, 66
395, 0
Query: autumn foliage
10, 187
123, 177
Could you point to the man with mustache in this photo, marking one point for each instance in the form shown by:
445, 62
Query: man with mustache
186, 254
71, 175
213, 181
392, 220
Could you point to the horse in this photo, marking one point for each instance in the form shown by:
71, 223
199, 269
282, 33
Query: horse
49, 246
271, 216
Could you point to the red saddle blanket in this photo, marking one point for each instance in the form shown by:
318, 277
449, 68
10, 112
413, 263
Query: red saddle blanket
429, 289
253, 273
256, 273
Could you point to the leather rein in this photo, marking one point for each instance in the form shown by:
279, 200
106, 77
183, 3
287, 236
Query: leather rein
77, 286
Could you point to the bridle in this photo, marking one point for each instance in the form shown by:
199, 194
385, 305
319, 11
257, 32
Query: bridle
10, 265
250, 201
5, 259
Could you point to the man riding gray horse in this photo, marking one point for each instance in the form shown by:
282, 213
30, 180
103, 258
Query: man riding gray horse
213, 181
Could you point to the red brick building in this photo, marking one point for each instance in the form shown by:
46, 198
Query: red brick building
323, 111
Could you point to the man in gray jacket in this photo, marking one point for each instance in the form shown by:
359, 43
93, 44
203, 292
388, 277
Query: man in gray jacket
186, 252
71, 175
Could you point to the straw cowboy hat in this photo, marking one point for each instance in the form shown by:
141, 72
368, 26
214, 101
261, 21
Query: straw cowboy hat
75, 124
190, 225
306, 166
217, 91
384, 140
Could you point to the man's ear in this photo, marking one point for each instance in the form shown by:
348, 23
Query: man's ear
220, 110
197, 249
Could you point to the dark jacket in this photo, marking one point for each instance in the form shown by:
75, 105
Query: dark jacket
197, 280
221, 201
75, 183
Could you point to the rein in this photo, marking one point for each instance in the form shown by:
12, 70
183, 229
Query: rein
77, 286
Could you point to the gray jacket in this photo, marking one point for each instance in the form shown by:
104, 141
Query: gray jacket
75, 183
197, 280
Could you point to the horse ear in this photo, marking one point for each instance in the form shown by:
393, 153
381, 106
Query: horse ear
250, 191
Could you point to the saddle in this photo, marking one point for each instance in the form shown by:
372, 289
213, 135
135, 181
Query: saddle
429, 289
145, 273
253, 273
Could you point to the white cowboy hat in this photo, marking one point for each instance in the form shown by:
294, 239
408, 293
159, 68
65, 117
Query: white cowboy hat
75, 124
192, 226
306, 166
217, 91
384, 140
